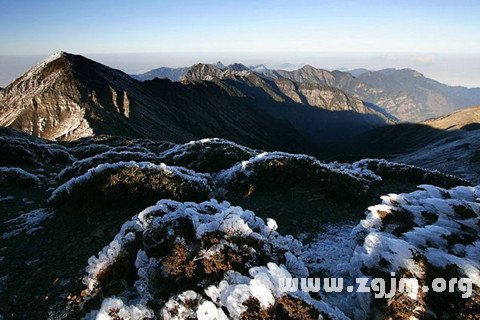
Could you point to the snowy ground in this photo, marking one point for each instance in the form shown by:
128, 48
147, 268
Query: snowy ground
459, 155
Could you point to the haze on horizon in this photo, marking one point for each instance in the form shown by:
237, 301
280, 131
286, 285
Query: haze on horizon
437, 38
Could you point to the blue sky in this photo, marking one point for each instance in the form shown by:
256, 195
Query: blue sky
118, 26
436, 37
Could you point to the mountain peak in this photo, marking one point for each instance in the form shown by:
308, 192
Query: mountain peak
220, 65
308, 67
57, 55
202, 71
238, 67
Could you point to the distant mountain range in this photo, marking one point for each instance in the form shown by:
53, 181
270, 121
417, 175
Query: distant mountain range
405, 94
174, 74
67, 97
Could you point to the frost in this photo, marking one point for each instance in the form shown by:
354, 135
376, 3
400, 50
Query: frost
112, 156
6, 198
177, 171
429, 224
13, 175
27, 222
221, 234
208, 155
114, 308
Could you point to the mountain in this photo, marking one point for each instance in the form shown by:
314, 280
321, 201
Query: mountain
320, 112
356, 72
454, 149
220, 65
237, 67
433, 97
67, 97
467, 119
406, 94
174, 74
449, 144
258, 67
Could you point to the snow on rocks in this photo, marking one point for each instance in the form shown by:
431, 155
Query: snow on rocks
279, 170
19, 151
12, 176
80, 167
135, 184
426, 234
6, 198
208, 155
90, 146
114, 308
409, 173
208, 261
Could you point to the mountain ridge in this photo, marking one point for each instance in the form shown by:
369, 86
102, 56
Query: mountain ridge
404, 93
68, 96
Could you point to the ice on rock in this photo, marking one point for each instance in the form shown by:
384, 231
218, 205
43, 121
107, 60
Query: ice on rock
209, 311
256, 282
420, 226
115, 308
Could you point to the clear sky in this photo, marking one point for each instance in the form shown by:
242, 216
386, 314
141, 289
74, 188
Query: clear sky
119, 26
437, 37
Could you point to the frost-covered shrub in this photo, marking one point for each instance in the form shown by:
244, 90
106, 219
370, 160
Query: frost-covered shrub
208, 155
426, 234
11, 176
409, 173
18, 151
206, 261
80, 167
270, 172
130, 184
91, 146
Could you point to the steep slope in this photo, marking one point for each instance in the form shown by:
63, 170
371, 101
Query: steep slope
463, 119
68, 96
450, 144
406, 94
174, 74
457, 147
